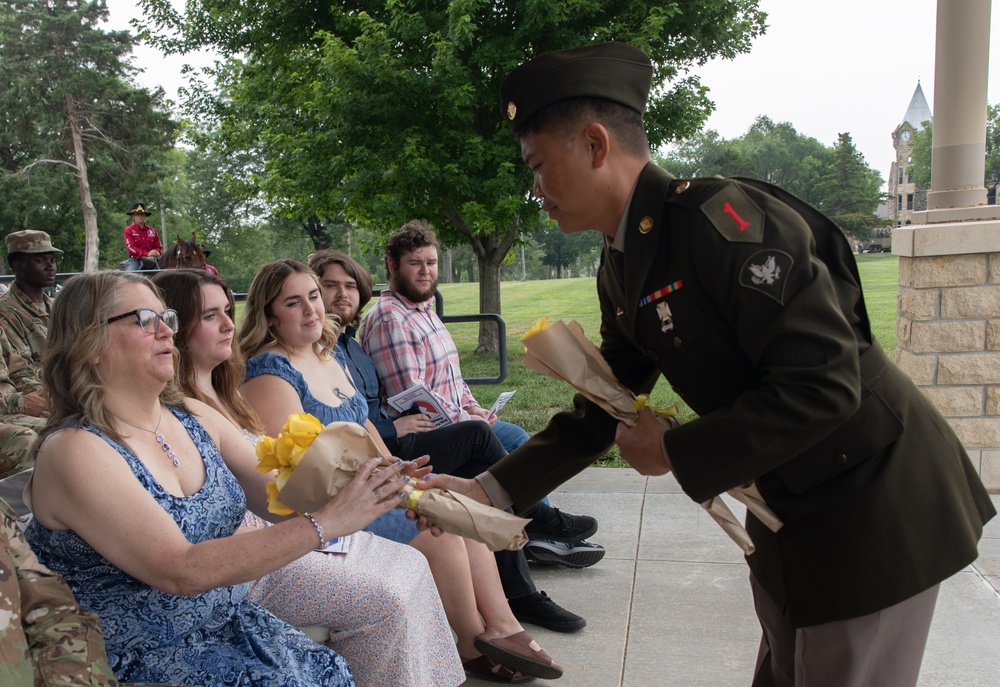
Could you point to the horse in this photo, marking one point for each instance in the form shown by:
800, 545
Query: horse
184, 253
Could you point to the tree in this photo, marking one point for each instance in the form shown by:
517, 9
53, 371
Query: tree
388, 111
992, 150
923, 143
68, 103
769, 151
565, 250
849, 190
920, 155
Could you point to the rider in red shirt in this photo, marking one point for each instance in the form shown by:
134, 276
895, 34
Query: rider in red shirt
141, 241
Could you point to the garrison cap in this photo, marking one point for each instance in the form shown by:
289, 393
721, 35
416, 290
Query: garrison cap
612, 71
30, 241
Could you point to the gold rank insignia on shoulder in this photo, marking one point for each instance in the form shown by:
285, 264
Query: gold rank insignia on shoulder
682, 187
734, 215
646, 225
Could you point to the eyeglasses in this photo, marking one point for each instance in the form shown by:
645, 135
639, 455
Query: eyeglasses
149, 319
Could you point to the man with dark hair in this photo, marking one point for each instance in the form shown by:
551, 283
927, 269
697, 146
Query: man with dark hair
407, 340
410, 345
25, 308
464, 449
749, 302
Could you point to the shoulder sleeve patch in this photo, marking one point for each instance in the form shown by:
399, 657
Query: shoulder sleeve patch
767, 271
734, 215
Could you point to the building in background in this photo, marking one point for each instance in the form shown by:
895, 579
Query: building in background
904, 197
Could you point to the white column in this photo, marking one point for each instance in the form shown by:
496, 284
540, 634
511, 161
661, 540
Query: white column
961, 64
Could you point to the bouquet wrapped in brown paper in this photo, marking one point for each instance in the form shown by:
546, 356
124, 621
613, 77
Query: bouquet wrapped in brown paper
561, 351
315, 462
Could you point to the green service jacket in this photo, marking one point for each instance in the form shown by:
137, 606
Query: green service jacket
749, 302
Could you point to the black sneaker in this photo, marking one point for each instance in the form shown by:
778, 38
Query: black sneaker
539, 609
581, 554
562, 527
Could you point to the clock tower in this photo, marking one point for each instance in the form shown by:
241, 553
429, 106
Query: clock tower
904, 196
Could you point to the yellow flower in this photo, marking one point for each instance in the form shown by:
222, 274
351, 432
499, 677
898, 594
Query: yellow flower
266, 460
283, 475
284, 452
302, 428
642, 400
288, 452
541, 325
412, 497
273, 504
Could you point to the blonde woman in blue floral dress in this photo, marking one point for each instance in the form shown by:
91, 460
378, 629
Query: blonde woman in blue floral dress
136, 502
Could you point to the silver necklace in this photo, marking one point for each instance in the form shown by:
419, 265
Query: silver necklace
159, 437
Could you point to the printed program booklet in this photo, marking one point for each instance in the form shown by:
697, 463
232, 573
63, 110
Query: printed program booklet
419, 398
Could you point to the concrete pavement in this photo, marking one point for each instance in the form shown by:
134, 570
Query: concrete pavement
670, 603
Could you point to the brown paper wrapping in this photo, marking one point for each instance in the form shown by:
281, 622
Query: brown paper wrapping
563, 352
457, 514
342, 447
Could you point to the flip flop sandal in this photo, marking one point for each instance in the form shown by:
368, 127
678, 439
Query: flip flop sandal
521, 653
484, 668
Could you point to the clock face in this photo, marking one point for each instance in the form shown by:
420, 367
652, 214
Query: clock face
905, 136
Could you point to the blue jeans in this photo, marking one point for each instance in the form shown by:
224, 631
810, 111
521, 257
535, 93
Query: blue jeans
394, 526
510, 435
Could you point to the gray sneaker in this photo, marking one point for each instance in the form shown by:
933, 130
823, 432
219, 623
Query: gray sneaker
581, 554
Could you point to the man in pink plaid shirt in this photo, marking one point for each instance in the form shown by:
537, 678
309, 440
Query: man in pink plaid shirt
410, 345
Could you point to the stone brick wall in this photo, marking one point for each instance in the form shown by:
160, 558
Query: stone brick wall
948, 338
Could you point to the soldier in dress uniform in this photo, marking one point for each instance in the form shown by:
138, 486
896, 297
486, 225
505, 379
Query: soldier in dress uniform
749, 302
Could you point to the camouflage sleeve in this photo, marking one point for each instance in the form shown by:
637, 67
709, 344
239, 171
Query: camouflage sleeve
10, 397
23, 374
64, 641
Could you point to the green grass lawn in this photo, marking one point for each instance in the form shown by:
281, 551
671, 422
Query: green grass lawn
538, 396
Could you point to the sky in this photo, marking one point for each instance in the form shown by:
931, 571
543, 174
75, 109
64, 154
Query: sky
827, 68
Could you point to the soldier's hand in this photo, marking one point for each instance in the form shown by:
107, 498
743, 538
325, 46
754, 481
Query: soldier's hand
642, 446
36, 404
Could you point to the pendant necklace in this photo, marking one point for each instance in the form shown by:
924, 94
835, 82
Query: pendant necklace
159, 438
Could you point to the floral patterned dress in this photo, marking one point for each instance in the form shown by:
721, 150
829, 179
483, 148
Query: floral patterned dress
374, 598
215, 639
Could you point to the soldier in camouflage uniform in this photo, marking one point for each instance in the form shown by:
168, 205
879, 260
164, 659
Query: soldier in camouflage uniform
23, 408
45, 637
25, 308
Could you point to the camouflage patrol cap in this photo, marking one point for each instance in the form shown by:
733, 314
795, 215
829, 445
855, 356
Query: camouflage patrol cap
30, 241
612, 71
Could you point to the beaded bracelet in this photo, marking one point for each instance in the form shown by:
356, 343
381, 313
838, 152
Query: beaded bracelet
319, 528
